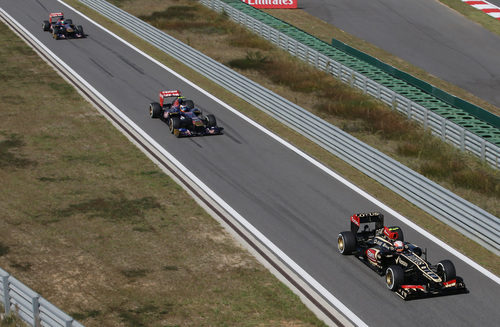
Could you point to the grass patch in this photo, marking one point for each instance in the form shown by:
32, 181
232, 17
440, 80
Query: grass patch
187, 18
134, 273
84, 315
114, 209
141, 315
9, 148
253, 60
4, 249
11, 320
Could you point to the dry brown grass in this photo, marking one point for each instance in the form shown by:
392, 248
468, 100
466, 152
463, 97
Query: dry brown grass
96, 228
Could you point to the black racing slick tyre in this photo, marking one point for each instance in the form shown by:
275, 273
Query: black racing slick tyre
394, 277
46, 25
155, 110
446, 270
346, 242
174, 124
211, 121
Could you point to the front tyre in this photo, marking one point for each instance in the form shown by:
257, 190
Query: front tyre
346, 242
46, 25
394, 277
79, 28
446, 270
174, 124
211, 121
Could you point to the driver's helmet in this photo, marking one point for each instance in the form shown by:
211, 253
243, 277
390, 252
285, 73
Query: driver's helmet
183, 107
399, 246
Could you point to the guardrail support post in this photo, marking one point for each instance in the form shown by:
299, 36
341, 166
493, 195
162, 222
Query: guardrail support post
36, 311
462, 140
5, 284
69, 323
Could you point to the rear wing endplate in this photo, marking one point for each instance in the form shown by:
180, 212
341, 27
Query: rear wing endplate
370, 217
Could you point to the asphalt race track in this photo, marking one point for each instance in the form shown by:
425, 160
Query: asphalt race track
426, 34
293, 203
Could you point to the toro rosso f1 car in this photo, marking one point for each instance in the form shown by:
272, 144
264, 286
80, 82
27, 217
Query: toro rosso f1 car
182, 117
384, 250
62, 28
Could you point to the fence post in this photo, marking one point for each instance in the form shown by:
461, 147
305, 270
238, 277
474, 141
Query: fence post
6, 298
36, 311
69, 323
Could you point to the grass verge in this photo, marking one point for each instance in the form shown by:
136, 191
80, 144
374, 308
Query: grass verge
90, 223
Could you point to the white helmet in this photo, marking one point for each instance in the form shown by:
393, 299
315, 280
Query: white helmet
399, 246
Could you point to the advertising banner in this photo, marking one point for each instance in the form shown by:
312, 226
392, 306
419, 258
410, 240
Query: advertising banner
272, 4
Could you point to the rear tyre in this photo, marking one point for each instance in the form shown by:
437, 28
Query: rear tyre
155, 110
446, 270
46, 25
174, 124
394, 277
346, 242
211, 121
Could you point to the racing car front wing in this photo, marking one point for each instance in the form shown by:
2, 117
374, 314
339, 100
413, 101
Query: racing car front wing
407, 292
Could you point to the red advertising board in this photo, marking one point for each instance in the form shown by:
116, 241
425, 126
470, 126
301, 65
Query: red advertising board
272, 4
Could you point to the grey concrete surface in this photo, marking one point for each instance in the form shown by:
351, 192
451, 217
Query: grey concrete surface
425, 33
297, 206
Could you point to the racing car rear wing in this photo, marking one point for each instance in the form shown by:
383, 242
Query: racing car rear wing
167, 94
362, 218
56, 14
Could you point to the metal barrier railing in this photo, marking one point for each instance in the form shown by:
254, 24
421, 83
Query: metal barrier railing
30, 306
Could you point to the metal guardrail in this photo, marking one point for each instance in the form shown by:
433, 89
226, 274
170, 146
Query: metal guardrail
468, 133
29, 305
446, 206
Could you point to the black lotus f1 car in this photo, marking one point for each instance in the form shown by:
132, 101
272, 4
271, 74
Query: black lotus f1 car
384, 250
182, 117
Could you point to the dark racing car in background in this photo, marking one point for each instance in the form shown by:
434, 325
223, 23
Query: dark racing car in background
384, 250
182, 117
62, 28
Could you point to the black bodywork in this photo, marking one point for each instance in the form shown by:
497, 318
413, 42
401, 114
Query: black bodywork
407, 272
